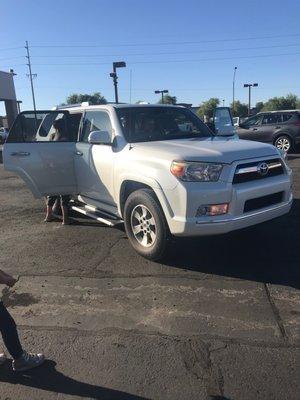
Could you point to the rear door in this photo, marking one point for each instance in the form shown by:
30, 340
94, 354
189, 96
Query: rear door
269, 124
40, 149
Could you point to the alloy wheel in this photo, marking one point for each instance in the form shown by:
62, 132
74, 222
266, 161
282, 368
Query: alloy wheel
143, 225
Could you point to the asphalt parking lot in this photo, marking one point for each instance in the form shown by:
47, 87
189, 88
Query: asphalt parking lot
219, 319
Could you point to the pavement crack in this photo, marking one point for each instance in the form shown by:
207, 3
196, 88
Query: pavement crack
197, 360
276, 313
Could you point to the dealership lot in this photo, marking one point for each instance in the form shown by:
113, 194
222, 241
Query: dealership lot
220, 317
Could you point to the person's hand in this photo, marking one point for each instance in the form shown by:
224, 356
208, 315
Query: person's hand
7, 279
10, 281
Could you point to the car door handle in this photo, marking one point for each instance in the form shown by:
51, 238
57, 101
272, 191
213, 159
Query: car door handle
254, 129
20, 154
78, 153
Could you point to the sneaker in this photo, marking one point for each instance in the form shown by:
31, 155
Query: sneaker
2, 358
28, 361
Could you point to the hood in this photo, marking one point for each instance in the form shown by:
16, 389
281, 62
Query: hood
216, 149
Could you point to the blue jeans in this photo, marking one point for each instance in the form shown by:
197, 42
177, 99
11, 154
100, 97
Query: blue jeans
9, 333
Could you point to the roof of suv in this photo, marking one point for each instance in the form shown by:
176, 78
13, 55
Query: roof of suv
279, 111
86, 106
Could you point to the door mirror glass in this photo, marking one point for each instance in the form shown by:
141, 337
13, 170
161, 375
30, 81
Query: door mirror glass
99, 137
222, 121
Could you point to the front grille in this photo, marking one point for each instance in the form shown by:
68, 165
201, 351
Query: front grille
257, 170
262, 202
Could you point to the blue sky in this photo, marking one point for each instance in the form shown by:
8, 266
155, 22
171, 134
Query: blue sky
190, 48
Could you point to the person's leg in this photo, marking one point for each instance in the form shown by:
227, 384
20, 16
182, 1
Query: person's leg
9, 333
65, 210
22, 360
50, 203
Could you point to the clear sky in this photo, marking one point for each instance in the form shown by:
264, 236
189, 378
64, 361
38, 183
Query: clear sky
189, 47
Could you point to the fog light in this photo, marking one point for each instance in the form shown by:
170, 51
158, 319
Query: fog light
213, 209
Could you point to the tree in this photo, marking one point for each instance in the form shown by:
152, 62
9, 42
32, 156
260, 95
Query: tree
240, 109
93, 99
290, 102
208, 107
259, 106
168, 100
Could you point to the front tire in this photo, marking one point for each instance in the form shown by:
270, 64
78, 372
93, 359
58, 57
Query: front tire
283, 142
145, 224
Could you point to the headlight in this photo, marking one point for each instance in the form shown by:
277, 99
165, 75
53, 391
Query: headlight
196, 171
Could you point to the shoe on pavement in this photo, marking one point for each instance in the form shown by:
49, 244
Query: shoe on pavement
28, 361
2, 358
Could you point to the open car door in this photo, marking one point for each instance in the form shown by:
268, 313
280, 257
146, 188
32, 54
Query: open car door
222, 122
40, 149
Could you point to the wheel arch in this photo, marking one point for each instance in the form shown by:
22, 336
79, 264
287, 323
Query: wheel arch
129, 186
283, 133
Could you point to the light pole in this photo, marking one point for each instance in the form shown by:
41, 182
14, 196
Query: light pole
223, 101
233, 89
250, 85
118, 64
162, 94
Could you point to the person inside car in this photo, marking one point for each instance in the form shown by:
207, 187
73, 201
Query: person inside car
59, 135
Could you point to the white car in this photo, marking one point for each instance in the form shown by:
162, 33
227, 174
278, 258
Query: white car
138, 164
3, 134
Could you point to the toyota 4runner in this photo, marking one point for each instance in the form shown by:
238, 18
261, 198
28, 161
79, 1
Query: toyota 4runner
158, 169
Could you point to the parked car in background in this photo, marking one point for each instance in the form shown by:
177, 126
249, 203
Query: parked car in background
3, 134
280, 128
238, 120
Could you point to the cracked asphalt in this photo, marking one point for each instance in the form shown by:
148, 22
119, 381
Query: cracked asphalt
219, 319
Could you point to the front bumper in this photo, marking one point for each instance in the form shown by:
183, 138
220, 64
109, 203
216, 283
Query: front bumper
186, 199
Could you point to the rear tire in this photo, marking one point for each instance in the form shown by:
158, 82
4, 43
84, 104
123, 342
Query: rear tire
283, 142
145, 224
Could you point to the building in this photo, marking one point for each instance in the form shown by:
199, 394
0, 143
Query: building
8, 95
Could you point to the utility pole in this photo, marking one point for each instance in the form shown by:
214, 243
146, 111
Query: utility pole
162, 94
233, 90
31, 75
118, 64
249, 86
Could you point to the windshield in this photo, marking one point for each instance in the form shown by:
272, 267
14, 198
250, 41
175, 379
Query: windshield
146, 124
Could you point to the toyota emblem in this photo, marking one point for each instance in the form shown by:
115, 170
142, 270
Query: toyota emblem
263, 168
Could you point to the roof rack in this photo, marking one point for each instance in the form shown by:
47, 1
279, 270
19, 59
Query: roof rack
83, 104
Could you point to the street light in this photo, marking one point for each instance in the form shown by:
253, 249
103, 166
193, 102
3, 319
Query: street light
223, 101
118, 64
162, 94
233, 89
250, 85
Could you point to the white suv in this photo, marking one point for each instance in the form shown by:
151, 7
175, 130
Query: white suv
158, 169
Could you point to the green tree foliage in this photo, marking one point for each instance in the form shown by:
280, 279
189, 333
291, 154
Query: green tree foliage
259, 106
240, 109
207, 107
289, 102
93, 99
168, 100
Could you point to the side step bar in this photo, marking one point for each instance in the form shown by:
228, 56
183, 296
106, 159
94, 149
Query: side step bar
98, 215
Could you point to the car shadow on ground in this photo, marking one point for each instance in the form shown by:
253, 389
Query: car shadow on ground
267, 253
49, 379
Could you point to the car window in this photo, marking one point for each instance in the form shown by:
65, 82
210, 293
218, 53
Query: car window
95, 121
41, 126
271, 119
286, 117
144, 124
256, 120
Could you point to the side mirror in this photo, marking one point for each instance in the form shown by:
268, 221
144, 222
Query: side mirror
99, 137
222, 121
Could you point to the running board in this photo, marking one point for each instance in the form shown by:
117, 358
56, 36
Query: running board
98, 215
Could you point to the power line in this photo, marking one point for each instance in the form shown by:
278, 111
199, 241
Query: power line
177, 61
11, 48
164, 53
170, 43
